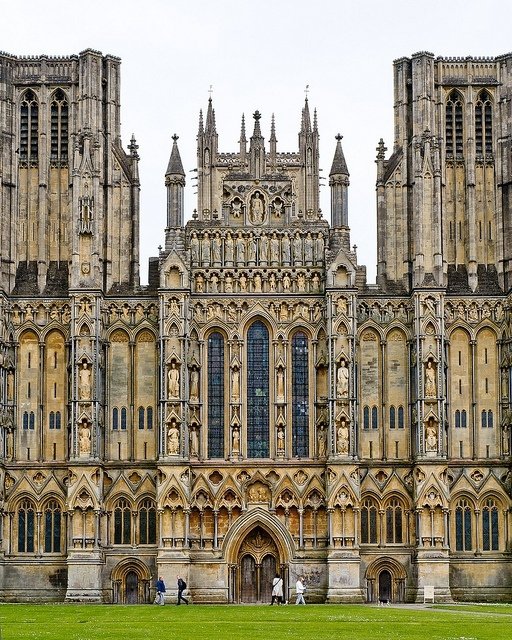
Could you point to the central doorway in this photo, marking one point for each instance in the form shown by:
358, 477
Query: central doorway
132, 588
385, 585
258, 563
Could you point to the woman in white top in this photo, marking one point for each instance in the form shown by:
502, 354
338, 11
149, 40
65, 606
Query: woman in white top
300, 588
277, 590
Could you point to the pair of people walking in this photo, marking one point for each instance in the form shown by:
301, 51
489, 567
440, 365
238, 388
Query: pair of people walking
277, 590
160, 591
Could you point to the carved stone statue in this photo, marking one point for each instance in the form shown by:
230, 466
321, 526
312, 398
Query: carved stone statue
194, 440
194, 248
342, 437
285, 248
257, 208
240, 249
173, 381
235, 385
85, 438
194, 385
321, 441
84, 382
236, 441
228, 249
431, 435
430, 380
173, 439
10, 385
342, 380
280, 383
280, 439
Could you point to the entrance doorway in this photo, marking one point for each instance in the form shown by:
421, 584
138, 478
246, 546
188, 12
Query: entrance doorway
132, 588
131, 582
385, 585
258, 563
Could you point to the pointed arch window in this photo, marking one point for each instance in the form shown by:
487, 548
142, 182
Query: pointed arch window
300, 395
490, 530
52, 527
483, 124
454, 125
366, 417
463, 526
115, 418
392, 417
26, 527
59, 127
368, 522
122, 522
29, 127
147, 522
216, 401
394, 515
258, 414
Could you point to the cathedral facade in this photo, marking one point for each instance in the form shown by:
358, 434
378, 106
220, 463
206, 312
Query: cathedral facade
258, 407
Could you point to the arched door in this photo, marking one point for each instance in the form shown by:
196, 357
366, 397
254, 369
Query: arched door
248, 586
385, 585
131, 588
258, 561
267, 574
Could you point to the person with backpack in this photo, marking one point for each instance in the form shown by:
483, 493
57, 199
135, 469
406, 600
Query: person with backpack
277, 590
182, 585
160, 590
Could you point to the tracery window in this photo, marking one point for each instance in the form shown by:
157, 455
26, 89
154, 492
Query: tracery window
59, 127
52, 527
300, 395
368, 522
115, 418
401, 423
258, 414
463, 526
366, 417
123, 418
392, 417
487, 419
483, 124
26, 527
216, 417
147, 522
54, 420
454, 125
29, 127
394, 515
141, 417
375, 418
490, 529
122, 522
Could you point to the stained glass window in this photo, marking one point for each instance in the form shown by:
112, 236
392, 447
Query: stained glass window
463, 526
29, 127
258, 391
26, 523
368, 522
122, 522
59, 127
216, 395
300, 395
52, 527
147, 522
490, 530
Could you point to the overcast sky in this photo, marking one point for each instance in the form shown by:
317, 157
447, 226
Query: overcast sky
258, 54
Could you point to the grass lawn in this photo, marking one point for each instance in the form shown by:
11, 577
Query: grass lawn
203, 622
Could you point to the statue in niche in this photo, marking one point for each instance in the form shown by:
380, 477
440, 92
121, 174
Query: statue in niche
194, 385
251, 249
235, 448
272, 282
228, 249
342, 380
308, 249
235, 385
84, 438
263, 257
287, 282
285, 248
278, 207
321, 441
194, 440
431, 435
205, 249
236, 207
199, 283
84, 382
174, 307
194, 248
283, 312
228, 284
173, 438
257, 208
214, 283
9, 443
280, 384
274, 249
240, 249
301, 282
297, 249
217, 249
242, 281
430, 380
342, 437
315, 282
10, 385
139, 313
173, 381
257, 283
280, 439
319, 248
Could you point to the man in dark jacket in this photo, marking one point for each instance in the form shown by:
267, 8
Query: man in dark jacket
182, 585
160, 590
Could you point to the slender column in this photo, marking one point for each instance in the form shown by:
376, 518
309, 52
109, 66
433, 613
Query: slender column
445, 524
187, 525
160, 513
381, 527
329, 526
356, 527
431, 527
134, 528
301, 528
96, 528
419, 532
39, 537
478, 532
215, 528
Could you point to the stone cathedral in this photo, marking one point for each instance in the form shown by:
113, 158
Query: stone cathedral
258, 407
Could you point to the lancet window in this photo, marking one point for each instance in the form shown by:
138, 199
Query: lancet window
300, 395
258, 413
216, 410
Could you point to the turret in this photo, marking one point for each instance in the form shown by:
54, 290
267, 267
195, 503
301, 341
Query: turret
339, 182
257, 149
175, 183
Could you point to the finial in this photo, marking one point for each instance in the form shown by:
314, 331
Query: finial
210, 91
306, 91
175, 138
339, 137
256, 115
381, 150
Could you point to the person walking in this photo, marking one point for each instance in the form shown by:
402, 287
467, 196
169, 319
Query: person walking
160, 590
277, 590
182, 585
300, 588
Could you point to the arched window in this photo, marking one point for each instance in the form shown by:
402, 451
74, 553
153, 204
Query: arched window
258, 414
51, 420
366, 417
141, 417
31, 420
29, 128
484, 419
149, 414
454, 125
59, 127
483, 124
147, 522
115, 418
490, 531
122, 522
464, 419
26, 524
52, 527
463, 522
25, 419
394, 515
216, 402
375, 418
401, 423
392, 417
457, 419
368, 522
300, 395
123, 418
57, 419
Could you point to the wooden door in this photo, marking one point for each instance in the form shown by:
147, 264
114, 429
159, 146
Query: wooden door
385, 585
248, 580
267, 574
132, 588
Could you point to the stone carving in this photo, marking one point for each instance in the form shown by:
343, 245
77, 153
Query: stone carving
257, 211
430, 380
280, 440
194, 248
84, 382
285, 249
205, 249
194, 440
173, 438
217, 250
228, 250
85, 438
235, 448
342, 437
173, 381
240, 249
342, 379
194, 385
321, 437
235, 384
431, 435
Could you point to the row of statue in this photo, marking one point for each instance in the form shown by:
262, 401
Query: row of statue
256, 249
247, 282
282, 312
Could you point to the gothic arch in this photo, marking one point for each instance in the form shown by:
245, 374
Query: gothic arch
120, 575
398, 576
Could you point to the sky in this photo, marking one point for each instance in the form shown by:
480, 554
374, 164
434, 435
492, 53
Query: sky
258, 55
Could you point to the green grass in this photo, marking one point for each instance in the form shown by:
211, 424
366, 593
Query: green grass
202, 622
